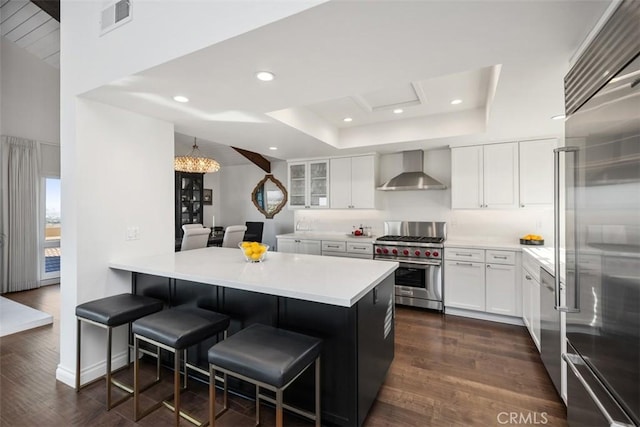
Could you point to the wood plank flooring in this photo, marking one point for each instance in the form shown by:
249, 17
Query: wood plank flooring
447, 371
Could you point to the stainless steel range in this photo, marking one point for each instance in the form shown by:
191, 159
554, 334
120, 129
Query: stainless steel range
418, 246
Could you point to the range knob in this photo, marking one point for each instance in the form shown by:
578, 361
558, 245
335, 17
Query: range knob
379, 250
385, 250
435, 254
417, 253
405, 252
427, 253
395, 251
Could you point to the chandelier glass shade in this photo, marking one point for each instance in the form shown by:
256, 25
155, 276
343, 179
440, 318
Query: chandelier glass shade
195, 162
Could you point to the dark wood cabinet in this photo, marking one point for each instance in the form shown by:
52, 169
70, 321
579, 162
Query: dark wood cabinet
188, 200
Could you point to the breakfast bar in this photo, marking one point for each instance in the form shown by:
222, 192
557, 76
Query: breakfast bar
348, 303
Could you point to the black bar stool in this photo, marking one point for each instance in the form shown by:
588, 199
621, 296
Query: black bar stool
267, 357
175, 330
109, 313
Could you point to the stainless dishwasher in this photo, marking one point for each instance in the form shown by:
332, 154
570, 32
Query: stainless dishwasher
550, 341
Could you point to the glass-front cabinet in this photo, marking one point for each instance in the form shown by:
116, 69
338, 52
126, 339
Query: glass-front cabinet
188, 200
309, 184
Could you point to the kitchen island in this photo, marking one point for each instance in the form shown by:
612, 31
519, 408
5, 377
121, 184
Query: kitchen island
346, 302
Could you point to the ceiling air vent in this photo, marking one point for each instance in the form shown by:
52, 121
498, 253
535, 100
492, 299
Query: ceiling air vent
114, 15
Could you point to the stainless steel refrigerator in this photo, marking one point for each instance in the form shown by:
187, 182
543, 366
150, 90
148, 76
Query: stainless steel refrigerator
602, 176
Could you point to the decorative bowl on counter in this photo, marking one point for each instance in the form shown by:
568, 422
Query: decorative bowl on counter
253, 251
532, 239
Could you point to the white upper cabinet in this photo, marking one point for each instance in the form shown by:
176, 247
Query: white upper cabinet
501, 175
466, 178
341, 183
309, 184
536, 172
484, 176
353, 181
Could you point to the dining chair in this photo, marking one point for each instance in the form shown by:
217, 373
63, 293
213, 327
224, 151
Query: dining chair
254, 231
195, 238
233, 235
188, 226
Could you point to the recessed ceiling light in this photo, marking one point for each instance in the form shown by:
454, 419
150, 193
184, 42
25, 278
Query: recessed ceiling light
347, 119
558, 117
180, 98
456, 102
398, 111
273, 148
265, 76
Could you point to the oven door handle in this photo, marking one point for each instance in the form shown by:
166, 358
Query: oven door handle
425, 264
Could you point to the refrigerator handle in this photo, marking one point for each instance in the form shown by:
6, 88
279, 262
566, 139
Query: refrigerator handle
612, 423
556, 231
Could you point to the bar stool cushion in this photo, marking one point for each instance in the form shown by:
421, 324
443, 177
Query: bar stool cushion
181, 327
266, 354
119, 309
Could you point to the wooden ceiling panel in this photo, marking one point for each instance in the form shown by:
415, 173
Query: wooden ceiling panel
27, 26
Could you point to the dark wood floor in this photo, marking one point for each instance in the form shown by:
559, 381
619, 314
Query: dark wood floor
448, 371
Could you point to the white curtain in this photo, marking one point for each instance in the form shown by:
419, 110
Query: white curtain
19, 225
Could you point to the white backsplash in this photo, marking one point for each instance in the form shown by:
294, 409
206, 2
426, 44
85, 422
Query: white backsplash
488, 225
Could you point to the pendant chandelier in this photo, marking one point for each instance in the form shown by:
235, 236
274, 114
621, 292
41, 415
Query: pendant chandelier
195, 162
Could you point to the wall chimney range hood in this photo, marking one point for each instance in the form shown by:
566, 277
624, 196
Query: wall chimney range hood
412, 177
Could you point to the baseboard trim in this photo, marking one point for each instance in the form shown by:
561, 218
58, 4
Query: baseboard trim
68, 376
484, 316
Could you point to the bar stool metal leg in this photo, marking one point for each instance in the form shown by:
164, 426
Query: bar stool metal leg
279, 407
318, 392
78, 341
257, 405
109, 344
176, 386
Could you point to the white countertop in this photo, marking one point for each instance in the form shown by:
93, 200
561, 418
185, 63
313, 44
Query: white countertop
329, 280
343, 237
484, 244
545, 257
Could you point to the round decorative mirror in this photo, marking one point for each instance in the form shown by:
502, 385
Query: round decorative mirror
269, 196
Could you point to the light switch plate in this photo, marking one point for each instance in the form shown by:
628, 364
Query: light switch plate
133, 233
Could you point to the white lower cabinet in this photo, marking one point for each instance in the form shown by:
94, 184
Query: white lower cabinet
500, 293
347, 249
531, 303
300, 246
465, 285
489, 283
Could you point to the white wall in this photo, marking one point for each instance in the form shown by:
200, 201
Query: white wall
29, 95
112, 159
111, 175
233, 205
491, 225
160, 30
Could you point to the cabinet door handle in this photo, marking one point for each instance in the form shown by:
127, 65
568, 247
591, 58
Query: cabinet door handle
488, 265
499, 257
522, 206
526, 276
463, 254
333, 246
359, 247
467, 264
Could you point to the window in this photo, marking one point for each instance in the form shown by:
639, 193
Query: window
51, 240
